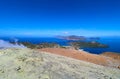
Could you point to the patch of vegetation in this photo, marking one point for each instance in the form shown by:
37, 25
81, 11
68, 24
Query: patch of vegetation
28, 44
48, 45
83, 44
39, 46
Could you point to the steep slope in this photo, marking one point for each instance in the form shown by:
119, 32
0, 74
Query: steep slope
32, 64
85, 56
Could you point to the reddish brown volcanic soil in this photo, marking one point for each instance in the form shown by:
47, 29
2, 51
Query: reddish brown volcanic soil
81, 55
105, 59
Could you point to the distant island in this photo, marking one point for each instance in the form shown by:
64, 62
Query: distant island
72, 37
77, 38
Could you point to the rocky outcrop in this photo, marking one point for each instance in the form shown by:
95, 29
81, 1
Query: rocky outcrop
32, 64
113, 55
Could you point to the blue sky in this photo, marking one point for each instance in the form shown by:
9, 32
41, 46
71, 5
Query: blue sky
59, 17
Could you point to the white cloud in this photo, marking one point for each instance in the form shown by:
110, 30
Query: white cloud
66, 32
